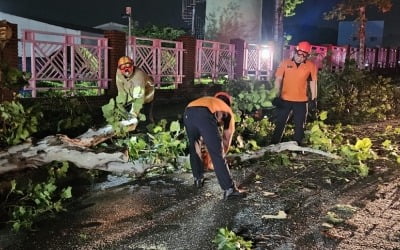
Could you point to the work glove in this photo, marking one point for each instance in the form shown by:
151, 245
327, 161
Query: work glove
312, 105
277, 102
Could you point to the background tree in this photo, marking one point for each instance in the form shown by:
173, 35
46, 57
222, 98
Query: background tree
283, 8
158, 32
351, 8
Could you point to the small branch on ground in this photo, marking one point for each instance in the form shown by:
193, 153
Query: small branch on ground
276, 148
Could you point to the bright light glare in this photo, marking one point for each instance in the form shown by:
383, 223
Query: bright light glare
265, 53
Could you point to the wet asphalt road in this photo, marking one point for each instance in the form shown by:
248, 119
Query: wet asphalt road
162, 213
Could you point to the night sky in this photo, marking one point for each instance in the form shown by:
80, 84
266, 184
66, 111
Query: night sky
92, 13
307, 24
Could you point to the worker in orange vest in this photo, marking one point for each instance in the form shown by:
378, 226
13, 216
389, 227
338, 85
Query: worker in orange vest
128, 78
291, 85
202, 118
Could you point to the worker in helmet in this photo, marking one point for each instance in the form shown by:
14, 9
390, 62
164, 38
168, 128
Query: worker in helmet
128, 77
202, 118
291, 84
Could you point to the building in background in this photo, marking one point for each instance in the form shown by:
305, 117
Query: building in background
48, 26
194, 15
348, 34
112, 26
45, 30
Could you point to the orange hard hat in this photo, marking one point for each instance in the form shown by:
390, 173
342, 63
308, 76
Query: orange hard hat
124, 60
225, 97
304, 46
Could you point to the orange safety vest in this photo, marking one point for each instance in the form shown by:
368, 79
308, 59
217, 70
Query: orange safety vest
294, 83
217, 105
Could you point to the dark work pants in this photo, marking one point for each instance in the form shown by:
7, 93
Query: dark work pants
299, 110
199, 121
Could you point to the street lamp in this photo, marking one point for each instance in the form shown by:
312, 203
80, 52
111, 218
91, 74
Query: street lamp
193, 19
128, 14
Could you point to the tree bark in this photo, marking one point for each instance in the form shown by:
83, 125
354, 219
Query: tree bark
361, 35
92, 137
52, 149
278, 31
75, 150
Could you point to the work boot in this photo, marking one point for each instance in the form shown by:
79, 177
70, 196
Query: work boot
233, 192
199, 183
300, 144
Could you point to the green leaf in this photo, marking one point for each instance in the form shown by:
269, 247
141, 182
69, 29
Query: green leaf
66, 193
58, 206
333, 218
157, 129
49, 188
323, 115
363, 144
62, 172
267, 104
13, 185
387, 144
363, 169
121, 98
16, 226
175, 126
21, 210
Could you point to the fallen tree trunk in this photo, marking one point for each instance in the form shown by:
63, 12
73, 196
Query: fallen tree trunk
92, 137
52, 149
75, 150
78, 152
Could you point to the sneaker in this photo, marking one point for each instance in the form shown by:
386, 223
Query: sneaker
232, 193
199, 183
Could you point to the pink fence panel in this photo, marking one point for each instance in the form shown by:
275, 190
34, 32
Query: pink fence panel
382, 58
318, 53
214, 60
288, 51
392, 58
338, 57
370, 58
161, 59
258, 61
64, 60
353, 53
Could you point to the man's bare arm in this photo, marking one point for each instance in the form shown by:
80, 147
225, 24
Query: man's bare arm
313, 88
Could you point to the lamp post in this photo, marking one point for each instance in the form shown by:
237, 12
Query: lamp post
128, 14
193, 19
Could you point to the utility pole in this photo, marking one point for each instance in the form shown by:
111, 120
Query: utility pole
193, 18
128, 14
